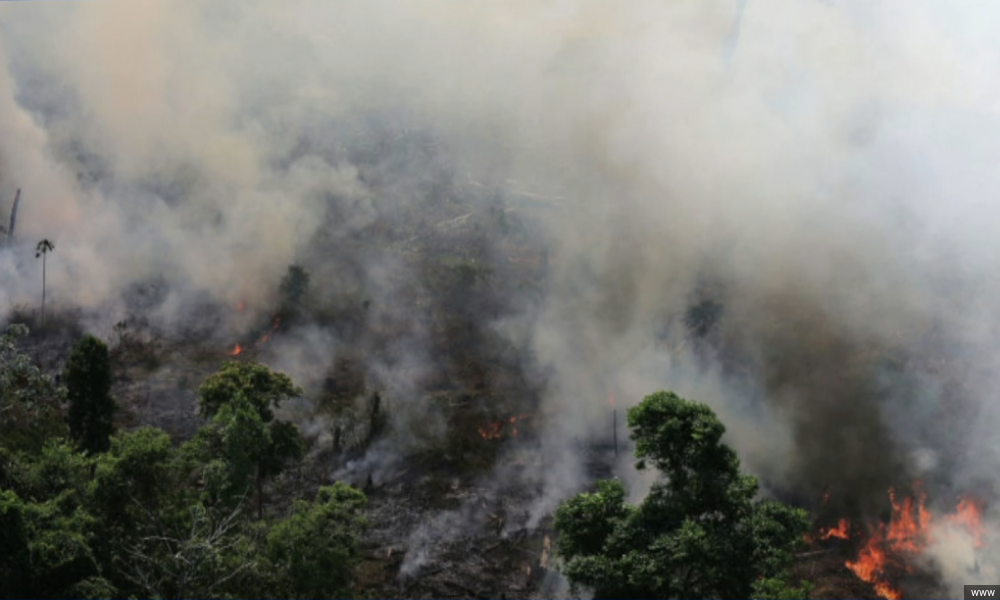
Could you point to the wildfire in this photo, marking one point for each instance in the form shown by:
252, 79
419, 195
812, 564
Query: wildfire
241, 306
267, 336
889, 548
969, 514
841, 531
495, 430
275, 323
611, 399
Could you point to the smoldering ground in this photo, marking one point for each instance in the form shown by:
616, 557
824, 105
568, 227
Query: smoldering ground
823, 175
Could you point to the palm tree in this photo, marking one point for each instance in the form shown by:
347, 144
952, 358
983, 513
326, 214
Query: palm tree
42, 250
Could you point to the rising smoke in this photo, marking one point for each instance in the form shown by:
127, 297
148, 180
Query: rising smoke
822, 173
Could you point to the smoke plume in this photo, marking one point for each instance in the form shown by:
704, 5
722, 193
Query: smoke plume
779, 209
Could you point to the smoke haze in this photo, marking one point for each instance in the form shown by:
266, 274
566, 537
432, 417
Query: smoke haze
822, 172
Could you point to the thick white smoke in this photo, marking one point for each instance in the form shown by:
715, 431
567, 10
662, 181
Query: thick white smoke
826, 171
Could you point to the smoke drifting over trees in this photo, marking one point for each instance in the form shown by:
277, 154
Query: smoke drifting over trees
825, 180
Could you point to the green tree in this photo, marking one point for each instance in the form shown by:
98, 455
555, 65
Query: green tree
61, 533
230, 446
243, 435
312, 553
200, 556
42, 250
29, 399
700, 533
15, 554
88, 383
141, 479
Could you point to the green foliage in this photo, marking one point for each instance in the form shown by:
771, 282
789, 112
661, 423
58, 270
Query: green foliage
243, 441
140, 475
15, 555
148, 519
231, 445
312, 553
88, 383
699, 533
262, 387
29, 399
201, 556
61, 547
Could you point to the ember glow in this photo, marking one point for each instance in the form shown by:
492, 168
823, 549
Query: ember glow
237, 350
495, 430
275, 323
611, 399
890, 549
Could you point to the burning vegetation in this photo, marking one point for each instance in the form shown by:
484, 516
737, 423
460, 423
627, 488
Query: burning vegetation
476, 274
886, 554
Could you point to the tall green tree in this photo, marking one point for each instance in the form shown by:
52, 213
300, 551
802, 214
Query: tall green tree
42, 250
700, 533
240, 400
88, 388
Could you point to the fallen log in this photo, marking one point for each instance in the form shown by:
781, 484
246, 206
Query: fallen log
815, 553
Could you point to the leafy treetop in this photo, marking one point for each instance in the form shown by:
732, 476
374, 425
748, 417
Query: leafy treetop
258, 385
88, 384
699, 533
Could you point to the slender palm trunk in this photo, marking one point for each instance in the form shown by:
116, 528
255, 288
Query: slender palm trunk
44, 255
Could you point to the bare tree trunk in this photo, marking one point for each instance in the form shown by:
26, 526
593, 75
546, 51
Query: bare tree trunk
44, 255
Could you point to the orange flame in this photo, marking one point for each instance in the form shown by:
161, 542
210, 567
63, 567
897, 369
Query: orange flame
889, 549
611, 399
241, 306
969, 514
237, 350
841, 531
494, 430
267, 336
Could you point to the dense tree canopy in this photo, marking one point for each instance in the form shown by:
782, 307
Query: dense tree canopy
243, 442
700, 533
264, 389
29, 399
311, 554
146, 518
88, 386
